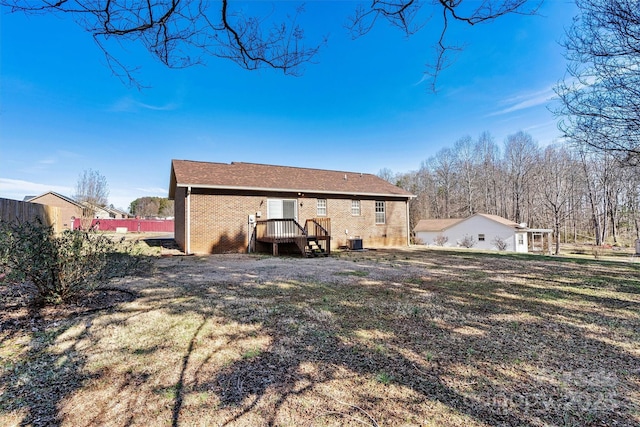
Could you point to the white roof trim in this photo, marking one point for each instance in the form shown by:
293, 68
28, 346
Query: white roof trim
292, 190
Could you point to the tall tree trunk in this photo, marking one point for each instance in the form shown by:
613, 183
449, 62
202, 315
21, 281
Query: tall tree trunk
556, 214
595, 217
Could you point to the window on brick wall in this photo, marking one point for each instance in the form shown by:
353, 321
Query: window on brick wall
380, 212
355, 207
321, 207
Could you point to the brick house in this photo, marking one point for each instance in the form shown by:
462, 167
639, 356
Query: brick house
220, 207
69, 208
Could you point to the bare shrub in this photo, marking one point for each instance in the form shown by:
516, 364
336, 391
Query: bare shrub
418, 241
440, 240
499, 243
597, 251
467, 241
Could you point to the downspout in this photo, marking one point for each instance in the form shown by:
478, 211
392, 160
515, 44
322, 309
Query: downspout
408, 231
188, 242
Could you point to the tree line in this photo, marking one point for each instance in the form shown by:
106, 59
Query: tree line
151, 207
583, 195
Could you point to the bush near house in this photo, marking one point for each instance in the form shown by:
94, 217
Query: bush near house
467, 241
500, 243
440, 240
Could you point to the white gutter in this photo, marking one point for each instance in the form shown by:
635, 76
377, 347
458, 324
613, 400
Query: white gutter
188, 226
291, 190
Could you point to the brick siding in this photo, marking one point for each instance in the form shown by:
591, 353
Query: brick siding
219, 221
67, 210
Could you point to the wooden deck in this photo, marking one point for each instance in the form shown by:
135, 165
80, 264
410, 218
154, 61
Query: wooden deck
313, 239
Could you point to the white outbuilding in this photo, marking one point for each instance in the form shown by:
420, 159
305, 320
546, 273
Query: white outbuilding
480, 231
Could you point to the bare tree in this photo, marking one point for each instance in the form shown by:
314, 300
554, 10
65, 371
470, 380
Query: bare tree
388, 175
467, 168
488, 173
181, 33
92, 192
417, 183
581, 194
557, 164
600, 97
443, 170
592, 195
520, 155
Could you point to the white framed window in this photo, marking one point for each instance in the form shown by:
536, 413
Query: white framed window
321, 207
380, 212
480, 237
355, 207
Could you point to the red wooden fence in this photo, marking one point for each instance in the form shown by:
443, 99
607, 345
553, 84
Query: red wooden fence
132, 225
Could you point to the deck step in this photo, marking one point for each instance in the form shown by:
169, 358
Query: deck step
313, 249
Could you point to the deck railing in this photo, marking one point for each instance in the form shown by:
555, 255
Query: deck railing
318, 227
278, 229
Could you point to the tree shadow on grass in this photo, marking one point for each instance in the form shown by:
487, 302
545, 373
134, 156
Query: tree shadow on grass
484, 361
372, 342
180, 384
36, 382
42, 364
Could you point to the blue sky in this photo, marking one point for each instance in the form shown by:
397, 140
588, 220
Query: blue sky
362, 107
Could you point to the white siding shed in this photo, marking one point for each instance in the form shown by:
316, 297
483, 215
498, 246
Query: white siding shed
483, 230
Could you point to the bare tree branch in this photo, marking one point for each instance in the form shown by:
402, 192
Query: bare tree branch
403, 14
600, 96
181, 33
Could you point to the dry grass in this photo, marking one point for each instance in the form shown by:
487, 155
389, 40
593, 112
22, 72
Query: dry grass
395, 337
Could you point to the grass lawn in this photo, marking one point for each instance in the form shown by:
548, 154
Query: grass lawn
394, 337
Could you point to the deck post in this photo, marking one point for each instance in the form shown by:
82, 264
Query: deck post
275, 249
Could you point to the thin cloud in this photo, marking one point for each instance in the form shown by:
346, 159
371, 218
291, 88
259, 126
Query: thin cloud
42, 165
546, 132
154, 190
128, 104
18, 189
524, 101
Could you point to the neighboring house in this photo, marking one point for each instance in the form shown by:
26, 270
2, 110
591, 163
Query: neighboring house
118, 214
107, 212
223, 207
69, 208
485, 231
